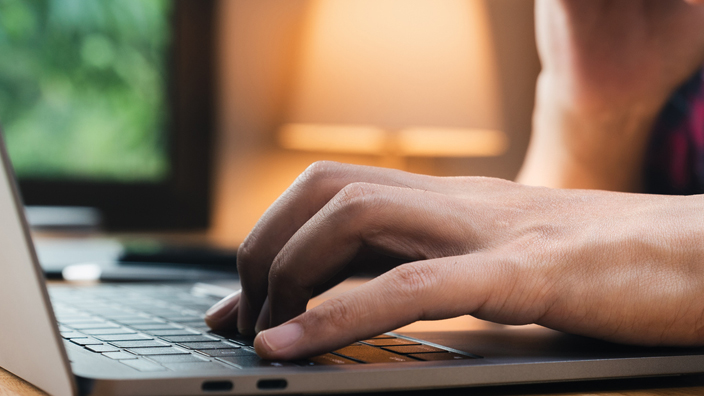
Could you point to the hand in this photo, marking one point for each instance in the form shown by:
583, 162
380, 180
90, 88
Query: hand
609, 66
622, 267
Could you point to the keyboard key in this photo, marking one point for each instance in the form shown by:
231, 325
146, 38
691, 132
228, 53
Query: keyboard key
72, 334
201, 329
208, 345
327, 360
440, 356
120, 316
86, 341
191, 338
381, 342
368, 354
124, 337
204, 366
239, 340
143, 365
158, 351
88, 326
408, 349
252, 361
178, 358
240, 343
227, 352
159, 326
140, 344
102, 348
139, 321
118, 330
120, 355
78, 320
159, 311
183, 318
382, 337
172, 332
234, 337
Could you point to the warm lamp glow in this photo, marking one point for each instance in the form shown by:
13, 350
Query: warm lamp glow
412, 142
396, 78
333, 138
438, 142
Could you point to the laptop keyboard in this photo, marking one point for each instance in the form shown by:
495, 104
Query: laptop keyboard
159, 328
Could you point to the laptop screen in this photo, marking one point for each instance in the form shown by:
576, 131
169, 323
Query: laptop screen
109, 104
84, 96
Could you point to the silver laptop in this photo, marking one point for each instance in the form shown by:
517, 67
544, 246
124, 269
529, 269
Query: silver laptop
151, 339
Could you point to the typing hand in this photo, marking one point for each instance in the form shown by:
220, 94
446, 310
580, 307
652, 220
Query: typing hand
622, 267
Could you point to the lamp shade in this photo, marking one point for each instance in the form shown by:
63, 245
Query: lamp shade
397, 64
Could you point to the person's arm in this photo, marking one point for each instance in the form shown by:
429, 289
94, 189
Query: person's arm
608, 68
621, 267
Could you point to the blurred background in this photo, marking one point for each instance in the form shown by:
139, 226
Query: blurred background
194, 115
83, 88
264, 46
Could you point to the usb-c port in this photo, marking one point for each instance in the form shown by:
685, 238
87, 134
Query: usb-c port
271, 384
217, 386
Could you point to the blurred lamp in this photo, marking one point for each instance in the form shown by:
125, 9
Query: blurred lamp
396, 78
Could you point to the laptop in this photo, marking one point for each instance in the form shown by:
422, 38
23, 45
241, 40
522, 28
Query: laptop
144, 339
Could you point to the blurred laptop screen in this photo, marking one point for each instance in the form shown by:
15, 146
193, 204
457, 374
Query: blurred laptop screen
83, 88
109, 104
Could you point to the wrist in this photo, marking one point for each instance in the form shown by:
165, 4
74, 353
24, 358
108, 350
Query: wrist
579, 144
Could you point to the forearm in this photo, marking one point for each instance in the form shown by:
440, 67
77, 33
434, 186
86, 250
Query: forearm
636, 275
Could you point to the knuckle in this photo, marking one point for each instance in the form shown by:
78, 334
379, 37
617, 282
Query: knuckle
319, 171
527, 288
354, 196
413, 280
336, 312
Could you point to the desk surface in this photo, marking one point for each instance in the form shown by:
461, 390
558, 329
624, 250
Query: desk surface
10, 385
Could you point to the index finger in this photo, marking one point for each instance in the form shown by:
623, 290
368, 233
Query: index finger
422, 290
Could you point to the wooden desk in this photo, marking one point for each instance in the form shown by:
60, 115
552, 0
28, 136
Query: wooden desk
663, 386
13, 386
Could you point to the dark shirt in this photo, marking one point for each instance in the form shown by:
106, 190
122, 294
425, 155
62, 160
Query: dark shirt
675, 159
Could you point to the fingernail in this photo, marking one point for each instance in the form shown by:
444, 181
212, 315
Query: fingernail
281, 337
224, 306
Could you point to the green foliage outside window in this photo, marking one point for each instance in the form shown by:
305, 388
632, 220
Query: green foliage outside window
82, 88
